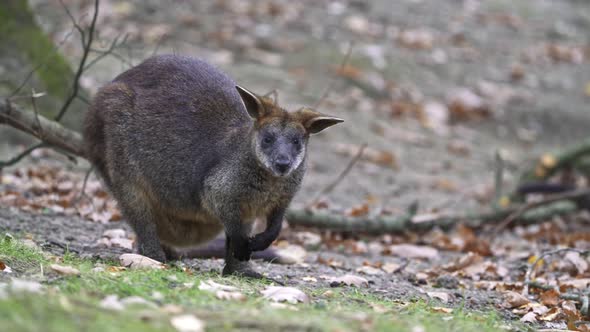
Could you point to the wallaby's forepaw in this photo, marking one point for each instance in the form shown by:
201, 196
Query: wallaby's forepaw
241, 249
259, 243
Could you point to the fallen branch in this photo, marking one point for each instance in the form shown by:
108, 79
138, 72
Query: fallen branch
419, 223
565, 158
549, 199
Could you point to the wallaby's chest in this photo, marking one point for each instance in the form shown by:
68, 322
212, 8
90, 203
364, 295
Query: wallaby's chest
261, 199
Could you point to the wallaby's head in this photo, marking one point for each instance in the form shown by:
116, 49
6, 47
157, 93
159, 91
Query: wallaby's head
279, 138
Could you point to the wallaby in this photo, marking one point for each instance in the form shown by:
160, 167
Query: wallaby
187, 154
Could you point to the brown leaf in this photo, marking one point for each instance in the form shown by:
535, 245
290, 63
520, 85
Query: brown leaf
413, 251
463, 262
529, 317
349, 280
285, 294
514, 300
65, 270
135, 261
550, 297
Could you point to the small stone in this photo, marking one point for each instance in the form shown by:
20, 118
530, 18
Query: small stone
446, 281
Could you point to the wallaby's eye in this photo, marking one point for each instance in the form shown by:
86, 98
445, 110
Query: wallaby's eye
296, 141
267, 140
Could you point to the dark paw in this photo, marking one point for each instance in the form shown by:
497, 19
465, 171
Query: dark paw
241, 249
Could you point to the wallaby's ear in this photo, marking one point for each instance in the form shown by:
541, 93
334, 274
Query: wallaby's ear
251, 101
314, 122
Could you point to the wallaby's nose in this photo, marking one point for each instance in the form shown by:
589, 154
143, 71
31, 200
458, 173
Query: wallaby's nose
282, 164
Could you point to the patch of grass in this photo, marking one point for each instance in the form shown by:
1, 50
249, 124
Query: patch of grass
72, 303
19, 257
60, 313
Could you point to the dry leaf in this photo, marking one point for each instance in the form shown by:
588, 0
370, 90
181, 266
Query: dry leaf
551, 315
122, 243
285, 294
442, 310
349, 280
115, 233
135, 261
211, 286
463, 262
550, 297
413, 251
514, 300
443, 296
529, 317
65, 270
111, 302
369, 270
5, 268
187, 323
137, 301
233, 296
390, 267
418, 39
291, 254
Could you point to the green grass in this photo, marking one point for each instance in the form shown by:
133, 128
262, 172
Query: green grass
72, 303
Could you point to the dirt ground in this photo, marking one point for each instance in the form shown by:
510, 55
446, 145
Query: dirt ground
524, 62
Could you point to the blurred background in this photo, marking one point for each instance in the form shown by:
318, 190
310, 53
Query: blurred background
434, 88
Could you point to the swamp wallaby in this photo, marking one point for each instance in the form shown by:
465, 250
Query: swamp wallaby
187, 154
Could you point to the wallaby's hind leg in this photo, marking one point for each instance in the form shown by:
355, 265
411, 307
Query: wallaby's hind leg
139, 214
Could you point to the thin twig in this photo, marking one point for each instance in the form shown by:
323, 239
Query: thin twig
21, 155
101, 54
82, 64
327, 189
547, 200
333, 82
75, 23
498, 179
83, 189
530, 273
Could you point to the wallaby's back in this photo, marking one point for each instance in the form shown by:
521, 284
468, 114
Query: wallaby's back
170, 120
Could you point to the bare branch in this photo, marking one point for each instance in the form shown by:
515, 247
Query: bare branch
51, 132
547, 200
75, 23
86, 50
103, 53
21, 155
340, 177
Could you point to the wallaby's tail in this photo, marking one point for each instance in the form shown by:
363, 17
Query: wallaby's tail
94, 143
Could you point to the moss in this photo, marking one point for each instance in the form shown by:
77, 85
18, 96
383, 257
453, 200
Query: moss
19, 32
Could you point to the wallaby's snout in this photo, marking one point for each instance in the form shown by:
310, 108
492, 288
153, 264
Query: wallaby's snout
282, 164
